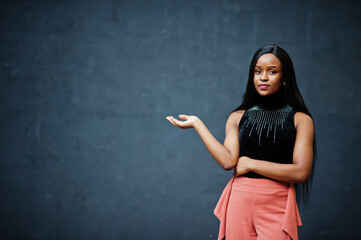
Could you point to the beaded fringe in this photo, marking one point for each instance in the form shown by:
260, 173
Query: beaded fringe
267, 118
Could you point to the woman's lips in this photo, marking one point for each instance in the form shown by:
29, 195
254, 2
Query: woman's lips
263, 87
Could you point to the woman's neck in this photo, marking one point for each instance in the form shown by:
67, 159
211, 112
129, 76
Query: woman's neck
274, 100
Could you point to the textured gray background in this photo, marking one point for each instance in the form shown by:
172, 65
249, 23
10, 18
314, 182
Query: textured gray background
86, 151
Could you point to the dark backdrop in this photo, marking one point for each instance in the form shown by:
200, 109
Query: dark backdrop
86, 151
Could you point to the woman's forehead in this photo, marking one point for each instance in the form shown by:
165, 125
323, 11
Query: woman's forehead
268, 59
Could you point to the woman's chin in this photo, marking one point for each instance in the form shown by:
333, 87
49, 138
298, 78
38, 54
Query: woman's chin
264, 93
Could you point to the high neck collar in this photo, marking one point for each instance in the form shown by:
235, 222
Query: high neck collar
271, 101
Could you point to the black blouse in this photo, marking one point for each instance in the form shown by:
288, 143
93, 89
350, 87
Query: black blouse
267, 132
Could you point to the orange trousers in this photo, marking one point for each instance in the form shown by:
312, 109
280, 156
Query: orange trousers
257, 209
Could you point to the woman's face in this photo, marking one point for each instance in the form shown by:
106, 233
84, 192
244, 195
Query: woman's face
267, 75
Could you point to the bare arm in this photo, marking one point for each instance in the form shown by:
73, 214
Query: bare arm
300, 169
226, 155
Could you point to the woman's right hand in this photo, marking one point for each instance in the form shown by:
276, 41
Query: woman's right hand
188, 123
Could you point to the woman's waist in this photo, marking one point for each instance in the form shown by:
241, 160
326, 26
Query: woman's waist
260, 185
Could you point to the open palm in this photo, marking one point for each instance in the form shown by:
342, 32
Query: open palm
188, 123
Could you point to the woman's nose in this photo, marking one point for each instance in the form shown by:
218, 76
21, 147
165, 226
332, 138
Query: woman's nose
264, 76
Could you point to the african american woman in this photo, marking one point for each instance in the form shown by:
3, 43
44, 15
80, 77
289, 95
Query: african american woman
270, 145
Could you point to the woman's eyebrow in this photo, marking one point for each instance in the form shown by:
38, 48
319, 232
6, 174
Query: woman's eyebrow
267, 67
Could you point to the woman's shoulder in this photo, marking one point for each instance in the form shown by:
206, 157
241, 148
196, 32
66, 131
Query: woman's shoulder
301, 118
236, 116
239, 112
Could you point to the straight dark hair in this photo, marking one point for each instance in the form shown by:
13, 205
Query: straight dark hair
293, 98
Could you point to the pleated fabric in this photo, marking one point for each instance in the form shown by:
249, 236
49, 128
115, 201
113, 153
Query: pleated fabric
257, 208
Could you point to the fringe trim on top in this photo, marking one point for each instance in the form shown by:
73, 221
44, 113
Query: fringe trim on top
267, 118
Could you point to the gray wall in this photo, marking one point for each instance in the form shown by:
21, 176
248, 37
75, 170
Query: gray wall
86, 151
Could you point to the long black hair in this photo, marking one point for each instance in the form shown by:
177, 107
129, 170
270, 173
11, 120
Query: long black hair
293, 98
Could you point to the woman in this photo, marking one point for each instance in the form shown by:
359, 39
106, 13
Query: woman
270, 144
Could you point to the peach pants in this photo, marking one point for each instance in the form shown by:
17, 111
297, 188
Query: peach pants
258, 209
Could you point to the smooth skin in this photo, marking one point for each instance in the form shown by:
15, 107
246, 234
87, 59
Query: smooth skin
268, 71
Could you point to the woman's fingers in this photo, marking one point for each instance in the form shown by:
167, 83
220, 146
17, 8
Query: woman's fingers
170, 119
183, 116
176, 122
187, 123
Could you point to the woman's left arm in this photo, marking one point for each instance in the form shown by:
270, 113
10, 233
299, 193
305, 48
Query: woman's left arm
299, 170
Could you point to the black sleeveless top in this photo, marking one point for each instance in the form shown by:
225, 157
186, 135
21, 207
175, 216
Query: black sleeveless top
267, 131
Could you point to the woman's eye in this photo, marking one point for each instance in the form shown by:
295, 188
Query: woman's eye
273, 72
257, 71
